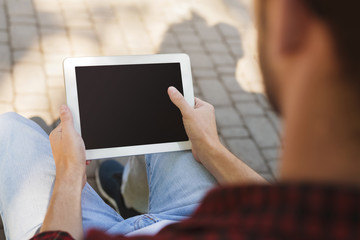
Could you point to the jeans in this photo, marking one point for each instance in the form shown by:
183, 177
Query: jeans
177, 183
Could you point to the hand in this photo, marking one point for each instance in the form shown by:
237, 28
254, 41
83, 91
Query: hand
199, 123
68, 150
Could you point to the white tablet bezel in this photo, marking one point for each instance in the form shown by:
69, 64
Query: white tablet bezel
72, 98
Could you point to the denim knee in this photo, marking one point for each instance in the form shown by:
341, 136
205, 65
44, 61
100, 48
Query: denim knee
11, 122
9, 119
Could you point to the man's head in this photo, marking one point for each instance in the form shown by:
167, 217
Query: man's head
309, 53
306, 40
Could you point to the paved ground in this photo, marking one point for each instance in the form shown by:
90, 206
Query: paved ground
219, 36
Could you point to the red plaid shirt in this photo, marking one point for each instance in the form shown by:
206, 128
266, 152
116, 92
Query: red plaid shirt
262, 212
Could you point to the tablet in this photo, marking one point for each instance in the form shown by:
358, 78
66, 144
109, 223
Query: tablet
120, 104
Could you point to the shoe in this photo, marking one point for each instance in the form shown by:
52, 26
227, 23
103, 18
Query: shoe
108, 178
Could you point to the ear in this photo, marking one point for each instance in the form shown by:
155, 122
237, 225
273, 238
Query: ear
294, 25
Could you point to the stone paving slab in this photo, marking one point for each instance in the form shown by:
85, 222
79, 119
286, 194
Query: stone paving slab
218, 35
234, 132
262, 131
247, 150
6, 89
5, 58
214, 92
227, 116
29, 78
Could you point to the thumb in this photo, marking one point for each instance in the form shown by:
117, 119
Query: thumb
66, 117
179, 101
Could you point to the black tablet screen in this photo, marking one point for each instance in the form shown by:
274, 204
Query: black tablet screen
127, 105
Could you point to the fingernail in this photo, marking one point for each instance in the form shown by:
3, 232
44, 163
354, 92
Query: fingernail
63, 109
172, 89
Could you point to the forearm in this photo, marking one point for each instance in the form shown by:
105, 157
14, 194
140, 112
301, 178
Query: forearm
64, 211
227, 168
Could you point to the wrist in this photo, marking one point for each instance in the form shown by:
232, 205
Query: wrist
67, 187
212, 150
69, 181
218, 161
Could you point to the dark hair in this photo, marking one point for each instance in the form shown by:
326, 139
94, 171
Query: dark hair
343, 18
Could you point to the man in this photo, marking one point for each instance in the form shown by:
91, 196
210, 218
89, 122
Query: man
309, 57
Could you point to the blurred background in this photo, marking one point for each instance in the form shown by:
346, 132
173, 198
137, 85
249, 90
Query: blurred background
219, 36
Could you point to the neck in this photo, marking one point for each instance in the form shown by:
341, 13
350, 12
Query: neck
322, 135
